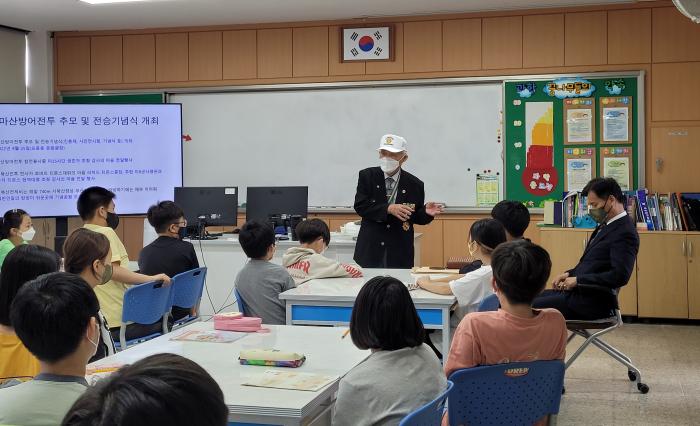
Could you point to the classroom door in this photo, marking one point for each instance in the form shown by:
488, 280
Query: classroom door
662, 276
693, 252
565, 247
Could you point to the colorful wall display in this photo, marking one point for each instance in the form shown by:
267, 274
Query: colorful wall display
552, 137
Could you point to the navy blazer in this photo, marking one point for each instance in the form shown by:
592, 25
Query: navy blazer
607, 262
382, 233
609, 256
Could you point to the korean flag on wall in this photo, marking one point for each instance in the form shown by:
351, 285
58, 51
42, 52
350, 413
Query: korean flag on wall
366, 44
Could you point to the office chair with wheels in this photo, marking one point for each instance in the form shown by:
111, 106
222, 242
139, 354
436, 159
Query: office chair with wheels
592, 331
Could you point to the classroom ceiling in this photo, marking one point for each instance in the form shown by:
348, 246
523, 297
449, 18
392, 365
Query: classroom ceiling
67, 15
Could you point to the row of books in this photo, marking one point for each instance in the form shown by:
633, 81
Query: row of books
676, 211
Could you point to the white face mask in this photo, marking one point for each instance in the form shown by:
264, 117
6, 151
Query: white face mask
94, 343
28, 235
388, 165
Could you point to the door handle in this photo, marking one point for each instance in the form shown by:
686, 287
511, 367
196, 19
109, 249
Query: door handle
584, 244
690, 249
659, 163
684, 248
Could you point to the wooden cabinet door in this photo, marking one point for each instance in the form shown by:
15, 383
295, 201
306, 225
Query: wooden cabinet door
693, 247
662, 276
565, 248
628, 295
671, 148
431, 243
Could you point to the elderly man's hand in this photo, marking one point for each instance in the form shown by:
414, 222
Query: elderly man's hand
401, 211
433, 209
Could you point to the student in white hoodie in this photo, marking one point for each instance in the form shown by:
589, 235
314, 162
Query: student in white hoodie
307, 261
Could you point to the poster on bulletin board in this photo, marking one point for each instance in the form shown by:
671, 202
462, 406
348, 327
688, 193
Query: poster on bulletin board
543, 118
617, 164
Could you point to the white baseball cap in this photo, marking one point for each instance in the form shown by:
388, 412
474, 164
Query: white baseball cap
392, 143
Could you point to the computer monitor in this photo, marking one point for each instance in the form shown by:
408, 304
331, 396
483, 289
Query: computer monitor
264, 202
209, 206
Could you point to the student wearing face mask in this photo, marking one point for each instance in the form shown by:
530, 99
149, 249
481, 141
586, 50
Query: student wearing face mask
87, 253
22, 265
168, 253
390, 201
589, 290
470, 289
15, 229
96, 209
307, 261
56, 317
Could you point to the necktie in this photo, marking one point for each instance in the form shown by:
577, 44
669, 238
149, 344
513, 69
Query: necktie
389, 186
597, 231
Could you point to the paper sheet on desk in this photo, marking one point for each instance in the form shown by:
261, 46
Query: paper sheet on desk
290, 380
209, 336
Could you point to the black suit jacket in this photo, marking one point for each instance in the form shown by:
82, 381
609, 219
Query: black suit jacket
381, 233
607, 262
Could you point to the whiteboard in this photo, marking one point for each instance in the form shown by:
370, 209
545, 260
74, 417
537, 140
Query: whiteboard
322, 137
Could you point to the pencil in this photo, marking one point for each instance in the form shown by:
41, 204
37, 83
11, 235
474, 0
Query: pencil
346, 333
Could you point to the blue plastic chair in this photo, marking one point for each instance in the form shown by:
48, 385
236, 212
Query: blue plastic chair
490, 303
239, 301
145, 304
518, 393
187, 293
431, 413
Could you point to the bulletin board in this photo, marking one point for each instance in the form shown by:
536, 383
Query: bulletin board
548, 118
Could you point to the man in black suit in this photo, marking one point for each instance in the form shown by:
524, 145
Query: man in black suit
390, 201
606, 263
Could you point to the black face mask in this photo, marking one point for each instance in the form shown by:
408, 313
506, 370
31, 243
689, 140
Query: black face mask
112, 220
182, 232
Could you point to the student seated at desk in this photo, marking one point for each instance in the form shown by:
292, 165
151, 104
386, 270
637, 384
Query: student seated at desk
307, 261
168, 254
87, 253
162, 389
96, 209
260, 282
21, 265
514, 217
470, 289
56, 317
516, 332
402, 373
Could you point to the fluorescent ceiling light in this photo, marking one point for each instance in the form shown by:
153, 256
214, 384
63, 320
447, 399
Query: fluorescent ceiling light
109, 1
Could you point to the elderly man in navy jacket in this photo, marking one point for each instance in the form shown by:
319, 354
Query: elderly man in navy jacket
390, 201
589, 290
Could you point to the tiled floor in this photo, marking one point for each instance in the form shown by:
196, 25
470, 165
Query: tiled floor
598, 391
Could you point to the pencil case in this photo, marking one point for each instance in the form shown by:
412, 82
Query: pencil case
271, 358
235, 321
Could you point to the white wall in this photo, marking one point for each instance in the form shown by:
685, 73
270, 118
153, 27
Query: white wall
12, 48
40, 67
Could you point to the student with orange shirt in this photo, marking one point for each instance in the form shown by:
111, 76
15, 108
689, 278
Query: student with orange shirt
22, 264
516, 332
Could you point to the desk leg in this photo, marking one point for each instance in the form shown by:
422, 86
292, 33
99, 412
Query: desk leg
445, 333
289, 312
